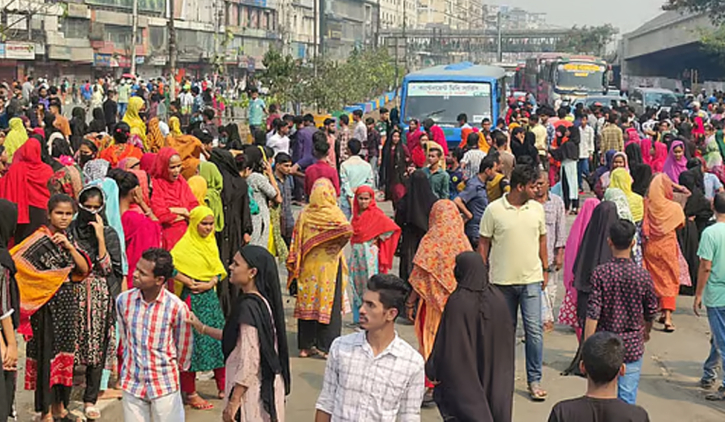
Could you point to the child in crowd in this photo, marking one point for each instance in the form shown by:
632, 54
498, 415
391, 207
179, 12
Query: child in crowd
354, 172
455, 172
496, 182
603, 362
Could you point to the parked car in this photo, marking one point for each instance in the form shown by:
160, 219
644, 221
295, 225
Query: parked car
610, 101
642, 98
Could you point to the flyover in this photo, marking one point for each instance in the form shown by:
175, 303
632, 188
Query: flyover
669, 46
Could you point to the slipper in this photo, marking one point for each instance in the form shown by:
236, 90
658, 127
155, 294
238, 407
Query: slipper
669, 328
536, 392
718, 396
199, 404
92, 413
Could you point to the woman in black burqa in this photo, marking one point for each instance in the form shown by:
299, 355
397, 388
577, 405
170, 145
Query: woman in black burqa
259, 306
237, 219
9, 298
412, 217
472, 362
593, 251
698, 211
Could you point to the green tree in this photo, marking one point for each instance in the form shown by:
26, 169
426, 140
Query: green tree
715, 9
587, 39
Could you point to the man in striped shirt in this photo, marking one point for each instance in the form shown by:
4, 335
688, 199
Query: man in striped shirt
156, 342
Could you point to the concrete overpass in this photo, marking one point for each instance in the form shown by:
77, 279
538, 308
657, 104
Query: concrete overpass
669, 46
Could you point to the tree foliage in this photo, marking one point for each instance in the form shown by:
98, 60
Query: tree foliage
715, 9
587, 39
328, 84
712, 41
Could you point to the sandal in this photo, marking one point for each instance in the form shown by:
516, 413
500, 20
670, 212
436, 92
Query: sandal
92, 413
536, 392
307, 353
717, 396
197, 403
669, 328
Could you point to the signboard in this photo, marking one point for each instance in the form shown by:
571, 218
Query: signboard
145, 5
20, 51
582, 67
449, 89
2, 50
101, 60
59, 52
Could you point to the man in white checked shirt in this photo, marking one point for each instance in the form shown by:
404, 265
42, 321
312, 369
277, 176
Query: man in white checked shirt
374, 375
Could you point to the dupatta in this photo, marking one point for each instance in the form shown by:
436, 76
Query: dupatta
373, 223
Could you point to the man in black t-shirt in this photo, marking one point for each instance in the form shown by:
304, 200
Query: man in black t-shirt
603, 363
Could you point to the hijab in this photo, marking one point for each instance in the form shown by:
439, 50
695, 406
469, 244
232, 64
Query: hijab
609, 158
574, 240
26, 182
594, 250
673, 167
98, 124
198, 187
634, 154
662, 214
372, 223
642, 175
147, 162
620, 200
697, 204
269, 320
169, 193
213, 197
128, 163
657, 163
81, 227
196, 256
473, 356
132, 117
15, 138
95, 170
414, 208
436, 253
621, 180
8, 223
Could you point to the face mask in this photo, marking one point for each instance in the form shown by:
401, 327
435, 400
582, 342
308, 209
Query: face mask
143, 115
84, 158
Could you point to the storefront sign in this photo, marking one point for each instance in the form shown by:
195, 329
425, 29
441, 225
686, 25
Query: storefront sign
101, 60
59, 52
2, 50
20, 51
158, 61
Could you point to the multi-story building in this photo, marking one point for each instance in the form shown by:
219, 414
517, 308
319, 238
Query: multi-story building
394, 12
451, 14
512, 17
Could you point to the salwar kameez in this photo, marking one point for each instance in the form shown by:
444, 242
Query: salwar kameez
207, 352
363, 264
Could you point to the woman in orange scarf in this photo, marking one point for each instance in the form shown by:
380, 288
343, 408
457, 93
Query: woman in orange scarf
432, 278
662, 256
155, 139
120, 149
189, 148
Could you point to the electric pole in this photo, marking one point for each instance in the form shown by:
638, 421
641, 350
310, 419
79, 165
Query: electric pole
499, 51
172, 51
134, 31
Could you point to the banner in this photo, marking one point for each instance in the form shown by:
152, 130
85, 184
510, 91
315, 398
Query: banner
20, 51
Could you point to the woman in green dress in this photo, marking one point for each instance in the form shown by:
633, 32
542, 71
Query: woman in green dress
199, 269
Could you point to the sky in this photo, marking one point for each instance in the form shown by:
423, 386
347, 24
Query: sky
627, 15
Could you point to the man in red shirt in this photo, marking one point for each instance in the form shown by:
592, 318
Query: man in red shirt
321, 168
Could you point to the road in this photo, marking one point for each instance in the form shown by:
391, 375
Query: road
668, 391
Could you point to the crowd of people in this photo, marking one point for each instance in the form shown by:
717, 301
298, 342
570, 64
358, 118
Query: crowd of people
143, 249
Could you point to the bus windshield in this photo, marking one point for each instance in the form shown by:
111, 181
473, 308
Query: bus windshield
444, 101
580, 76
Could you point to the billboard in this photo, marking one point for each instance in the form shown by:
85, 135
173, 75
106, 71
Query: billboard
158, 6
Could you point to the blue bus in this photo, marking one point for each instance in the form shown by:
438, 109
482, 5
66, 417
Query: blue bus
443, 92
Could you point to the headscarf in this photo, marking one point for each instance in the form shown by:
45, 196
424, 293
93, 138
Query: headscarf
642, 175
26, 182
620, 200
196, 256
127, 163
175, 126
62, 124
77, 126
608, 158
673, 167
658, 162
147, 162
575, 238
251, 310
167, 193
320, 222
198, 187
8, 223
414, 208
373, 223
98, 124
155, 140
436, 254
594, 249
95, 170
697, 204
112, 216
138, 127
662, 214
624, 157
215, 185
472, 361
15, 138
620, 179
234, 142
634, 154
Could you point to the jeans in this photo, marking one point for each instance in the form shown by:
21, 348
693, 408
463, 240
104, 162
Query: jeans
528, 296
628, 383
712, 363
716, 318
169, 408
583, 170
122, 107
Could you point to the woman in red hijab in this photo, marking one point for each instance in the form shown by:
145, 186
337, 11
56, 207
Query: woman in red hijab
26, 184
654, 154
374, 240
172, 199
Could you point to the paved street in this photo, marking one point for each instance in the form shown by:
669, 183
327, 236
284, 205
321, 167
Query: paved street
672, 367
